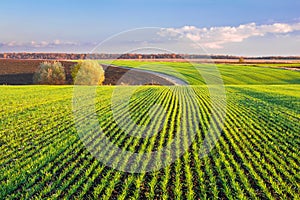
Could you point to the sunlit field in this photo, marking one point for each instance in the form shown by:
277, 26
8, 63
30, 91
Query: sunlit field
256, 156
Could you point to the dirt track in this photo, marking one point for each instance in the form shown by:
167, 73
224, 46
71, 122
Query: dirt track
172, 79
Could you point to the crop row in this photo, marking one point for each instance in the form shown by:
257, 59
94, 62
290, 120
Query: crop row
254, 157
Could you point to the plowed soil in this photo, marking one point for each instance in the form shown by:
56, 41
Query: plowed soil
21, 72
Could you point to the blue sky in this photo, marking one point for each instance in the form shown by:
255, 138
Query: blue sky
60, 25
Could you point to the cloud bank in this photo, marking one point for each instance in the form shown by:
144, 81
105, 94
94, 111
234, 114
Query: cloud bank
216, 37
37, 44
46, 46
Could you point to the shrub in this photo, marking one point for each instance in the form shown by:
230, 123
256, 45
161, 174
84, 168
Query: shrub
241, 60
87, 72
50, 74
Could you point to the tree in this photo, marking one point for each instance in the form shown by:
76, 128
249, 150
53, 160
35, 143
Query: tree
87, 72
241, 60
50, 74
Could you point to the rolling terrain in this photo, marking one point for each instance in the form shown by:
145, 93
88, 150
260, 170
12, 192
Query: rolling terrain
255, 157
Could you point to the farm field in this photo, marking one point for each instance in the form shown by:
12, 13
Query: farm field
21, 72
257, 74
256, 156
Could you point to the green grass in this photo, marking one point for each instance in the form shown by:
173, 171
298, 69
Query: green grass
231, 74
256, 157
279, 65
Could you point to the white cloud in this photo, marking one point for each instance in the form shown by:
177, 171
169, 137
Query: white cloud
38, 44
216, 37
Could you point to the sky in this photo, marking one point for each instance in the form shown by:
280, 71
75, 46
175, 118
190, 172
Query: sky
249, 28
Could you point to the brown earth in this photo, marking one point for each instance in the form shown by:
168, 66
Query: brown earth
122, 76
21, 72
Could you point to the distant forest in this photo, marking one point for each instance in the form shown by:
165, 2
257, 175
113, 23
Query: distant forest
75, 56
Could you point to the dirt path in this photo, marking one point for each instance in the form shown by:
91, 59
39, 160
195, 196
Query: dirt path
172, 79
292, 68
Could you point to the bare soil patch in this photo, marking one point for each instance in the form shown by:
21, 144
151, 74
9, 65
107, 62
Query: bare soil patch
21, 72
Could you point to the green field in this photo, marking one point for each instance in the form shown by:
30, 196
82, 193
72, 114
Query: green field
256, 156
231, 74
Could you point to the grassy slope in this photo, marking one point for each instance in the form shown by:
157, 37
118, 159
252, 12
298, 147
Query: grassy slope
256, 157
231, 74
42, 155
